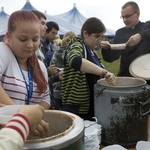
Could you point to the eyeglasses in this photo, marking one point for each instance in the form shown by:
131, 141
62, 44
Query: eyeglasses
127, 16
97, 36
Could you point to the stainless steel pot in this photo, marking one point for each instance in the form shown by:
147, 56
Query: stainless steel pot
122, 110
66, 133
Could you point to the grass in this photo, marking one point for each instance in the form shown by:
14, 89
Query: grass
111, 67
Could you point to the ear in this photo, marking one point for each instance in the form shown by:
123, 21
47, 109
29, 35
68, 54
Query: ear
85, 34
138, 13
6, 38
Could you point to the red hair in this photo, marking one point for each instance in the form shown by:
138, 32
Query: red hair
38, 75
19, 16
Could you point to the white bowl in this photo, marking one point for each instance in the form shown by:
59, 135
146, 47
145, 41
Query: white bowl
114, 147
143, 145
118, 46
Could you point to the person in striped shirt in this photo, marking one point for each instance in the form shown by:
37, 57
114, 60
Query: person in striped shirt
23, 77
82, 70
14, 134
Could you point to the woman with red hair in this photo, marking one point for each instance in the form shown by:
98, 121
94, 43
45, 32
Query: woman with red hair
23, 77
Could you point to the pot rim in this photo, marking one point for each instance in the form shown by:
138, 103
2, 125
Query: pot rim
105, 84
71, 137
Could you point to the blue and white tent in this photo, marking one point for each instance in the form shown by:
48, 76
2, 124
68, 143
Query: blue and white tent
28, 6
64, 25
75, 17
69, 21
3, 21
4, 17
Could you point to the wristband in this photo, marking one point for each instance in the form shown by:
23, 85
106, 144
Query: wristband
104, 72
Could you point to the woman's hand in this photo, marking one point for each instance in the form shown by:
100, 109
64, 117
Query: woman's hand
41, 129
34, 114
110, 78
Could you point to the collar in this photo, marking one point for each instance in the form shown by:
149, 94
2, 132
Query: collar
133, 27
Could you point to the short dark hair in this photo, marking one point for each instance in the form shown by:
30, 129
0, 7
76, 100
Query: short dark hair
132, 4
51, 25
39, 14
93, 25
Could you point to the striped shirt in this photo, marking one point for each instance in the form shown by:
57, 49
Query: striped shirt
12, 80
15, 133
75, 90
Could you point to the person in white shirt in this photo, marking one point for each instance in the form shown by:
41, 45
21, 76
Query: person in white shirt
23, 77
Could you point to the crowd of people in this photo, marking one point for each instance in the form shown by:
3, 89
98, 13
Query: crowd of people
42, 71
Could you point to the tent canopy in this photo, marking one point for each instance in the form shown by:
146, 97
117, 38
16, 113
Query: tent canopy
73, 16
28, 6
69, 21
64, 25
3, 21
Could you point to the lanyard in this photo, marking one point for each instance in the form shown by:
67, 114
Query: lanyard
30, 86
94, 57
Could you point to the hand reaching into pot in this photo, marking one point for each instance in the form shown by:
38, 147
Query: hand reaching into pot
38, 126
41, 129
110, 78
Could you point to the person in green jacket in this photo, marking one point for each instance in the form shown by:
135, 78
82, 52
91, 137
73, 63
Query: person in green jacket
82, 69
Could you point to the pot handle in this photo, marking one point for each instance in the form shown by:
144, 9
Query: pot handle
99, 92
143, 106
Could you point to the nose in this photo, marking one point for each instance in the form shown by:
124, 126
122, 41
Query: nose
125, 19
45, 26
30, 43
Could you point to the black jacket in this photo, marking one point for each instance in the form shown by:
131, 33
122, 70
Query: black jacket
130, 53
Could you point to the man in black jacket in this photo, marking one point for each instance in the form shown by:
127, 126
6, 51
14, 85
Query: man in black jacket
130, 14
